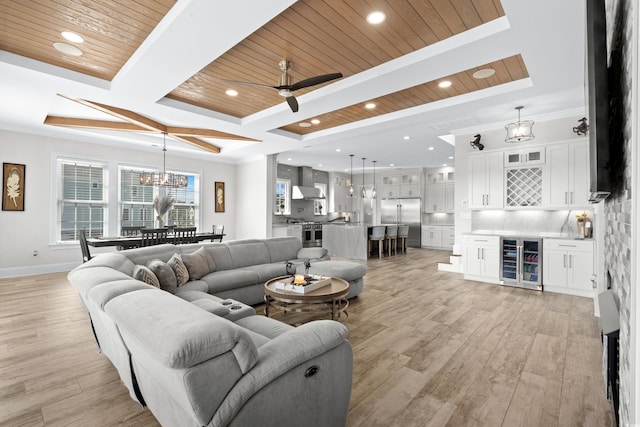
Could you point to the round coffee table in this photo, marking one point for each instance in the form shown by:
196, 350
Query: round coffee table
330, 298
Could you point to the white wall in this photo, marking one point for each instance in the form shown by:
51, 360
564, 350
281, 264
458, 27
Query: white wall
253, 211
22, 233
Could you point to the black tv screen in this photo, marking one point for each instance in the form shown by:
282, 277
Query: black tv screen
598, 94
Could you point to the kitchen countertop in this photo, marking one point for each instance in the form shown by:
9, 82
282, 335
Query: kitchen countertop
526, 234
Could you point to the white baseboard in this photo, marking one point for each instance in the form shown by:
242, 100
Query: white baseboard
31, 270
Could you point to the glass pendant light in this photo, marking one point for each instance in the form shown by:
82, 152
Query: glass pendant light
351, 181
364, 192
373, 189
520, 131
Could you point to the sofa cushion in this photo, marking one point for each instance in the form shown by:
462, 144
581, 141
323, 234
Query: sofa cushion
267, 271
283, 248
144, 274
102, 294
165, 275
219, 251
230, 279
199, 263
312, 253
147, 253
183, 335
180, 270
248, 252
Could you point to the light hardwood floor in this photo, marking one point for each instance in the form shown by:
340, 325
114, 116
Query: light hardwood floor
430, 349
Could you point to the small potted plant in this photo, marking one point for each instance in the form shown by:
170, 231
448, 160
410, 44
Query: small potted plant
162, 205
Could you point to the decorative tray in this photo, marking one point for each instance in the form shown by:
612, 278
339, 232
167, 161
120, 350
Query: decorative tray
310, 283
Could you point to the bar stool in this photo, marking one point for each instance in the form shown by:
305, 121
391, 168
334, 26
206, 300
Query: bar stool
377, 234
391, 235
403, 234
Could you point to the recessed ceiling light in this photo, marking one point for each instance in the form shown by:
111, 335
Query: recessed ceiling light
289, 159
430, 148
391, 164
315, 121
232, 92
72, 37
450, 157
338, 150
406, 137
304, 124
376, 17
369, 105
444, 84
484, 73
444, 164
67, 49
319, 165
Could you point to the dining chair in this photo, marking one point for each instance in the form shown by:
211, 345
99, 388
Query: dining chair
403, 235
153, 236
218, 229
84, 246
377, 234
391, 237
183, 235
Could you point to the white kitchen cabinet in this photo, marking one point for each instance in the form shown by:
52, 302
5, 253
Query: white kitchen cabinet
449, 205
486, 183
568, 266
567, 177
431, 236
448, 236
287, 230
524, 157
390, 186
410, 184
435, 198
482, 258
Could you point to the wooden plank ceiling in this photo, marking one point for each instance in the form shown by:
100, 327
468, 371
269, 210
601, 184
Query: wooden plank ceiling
317, 36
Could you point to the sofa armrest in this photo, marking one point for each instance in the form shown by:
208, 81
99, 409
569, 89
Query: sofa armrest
282, 355
312, 253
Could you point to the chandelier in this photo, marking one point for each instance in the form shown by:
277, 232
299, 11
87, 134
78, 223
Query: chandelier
520, 131
164, 178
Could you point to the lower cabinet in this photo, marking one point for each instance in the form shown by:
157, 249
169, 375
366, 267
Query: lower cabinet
438, 236
568, 266
482, 258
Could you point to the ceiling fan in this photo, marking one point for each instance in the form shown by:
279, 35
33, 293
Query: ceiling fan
286, 88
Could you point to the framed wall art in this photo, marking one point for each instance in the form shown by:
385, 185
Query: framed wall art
13, 187
219, 196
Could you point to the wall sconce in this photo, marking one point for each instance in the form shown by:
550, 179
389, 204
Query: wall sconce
476, 143
582, 128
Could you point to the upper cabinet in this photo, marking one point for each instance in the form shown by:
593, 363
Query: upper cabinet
406, 183
410, 184
567, 175
525, 156
486, 186
390, 185
439, 190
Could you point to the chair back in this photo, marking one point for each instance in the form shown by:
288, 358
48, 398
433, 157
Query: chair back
183, 235
377, 232
392, 231
217, 229
130, 231
403, 231
153, 236
84, 246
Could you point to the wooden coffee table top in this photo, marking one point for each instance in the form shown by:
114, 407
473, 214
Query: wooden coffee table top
337, 289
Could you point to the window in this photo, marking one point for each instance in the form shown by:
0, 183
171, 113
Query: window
283, 197
320, 206
81, 199
136, 201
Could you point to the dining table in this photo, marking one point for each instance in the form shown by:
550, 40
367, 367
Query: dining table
128, 242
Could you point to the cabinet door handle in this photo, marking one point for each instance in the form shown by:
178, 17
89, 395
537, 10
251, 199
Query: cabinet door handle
564, 260
570, 261
479, 254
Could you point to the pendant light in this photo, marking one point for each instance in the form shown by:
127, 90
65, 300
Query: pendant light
520, 131
351, 181
364, 192
373, 189
164, 178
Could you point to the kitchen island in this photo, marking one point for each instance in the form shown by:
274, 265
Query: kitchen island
345, 240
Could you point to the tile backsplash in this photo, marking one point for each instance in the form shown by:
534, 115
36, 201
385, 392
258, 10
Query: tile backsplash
529, 221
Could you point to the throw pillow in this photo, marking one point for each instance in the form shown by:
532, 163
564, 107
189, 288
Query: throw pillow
144, 274
165, 275
199, 263
179, 269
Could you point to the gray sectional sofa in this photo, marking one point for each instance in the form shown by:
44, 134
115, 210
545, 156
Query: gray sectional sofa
197, 354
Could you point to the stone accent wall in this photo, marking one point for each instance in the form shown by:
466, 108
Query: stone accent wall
618, 207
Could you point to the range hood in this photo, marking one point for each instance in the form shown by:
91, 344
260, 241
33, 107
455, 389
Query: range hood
306, 190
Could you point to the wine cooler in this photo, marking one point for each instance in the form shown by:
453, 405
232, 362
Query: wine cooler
521, 262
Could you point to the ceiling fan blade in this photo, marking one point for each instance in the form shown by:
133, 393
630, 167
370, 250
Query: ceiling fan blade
293, 103
250, 84
312, 81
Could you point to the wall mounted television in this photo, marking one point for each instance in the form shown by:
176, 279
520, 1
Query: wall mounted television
598, 94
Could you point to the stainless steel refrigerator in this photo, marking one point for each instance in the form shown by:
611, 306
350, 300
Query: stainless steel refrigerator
403, 211
521, 262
